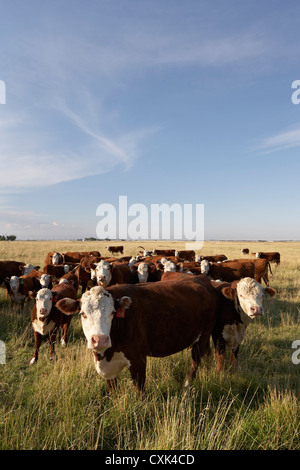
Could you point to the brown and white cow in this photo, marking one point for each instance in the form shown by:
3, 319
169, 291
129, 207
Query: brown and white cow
186, 255
272, 257
239, 303
211, 258
124, 324
163, 252
19, 287
261, 268
108, 274
115, 249
47, 319
53, 257
228, 271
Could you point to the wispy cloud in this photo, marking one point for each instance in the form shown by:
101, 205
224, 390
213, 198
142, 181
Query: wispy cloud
281, 141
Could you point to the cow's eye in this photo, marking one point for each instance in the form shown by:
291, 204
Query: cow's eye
83, 315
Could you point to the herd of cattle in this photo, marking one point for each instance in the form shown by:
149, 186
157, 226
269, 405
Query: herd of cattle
153, 304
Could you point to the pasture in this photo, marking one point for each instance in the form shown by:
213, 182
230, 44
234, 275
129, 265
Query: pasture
64, 404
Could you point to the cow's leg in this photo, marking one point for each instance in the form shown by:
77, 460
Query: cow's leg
198, 350
64, 332
52, 340
138, 373
220, 346
37, 343
233, 356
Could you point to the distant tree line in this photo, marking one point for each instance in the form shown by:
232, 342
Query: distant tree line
10, 238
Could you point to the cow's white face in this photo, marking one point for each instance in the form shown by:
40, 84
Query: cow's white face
250, 294
66, 268
143, 272
204, 266
103, 273
43, 302
55, 258
198, 258
97, 307
45, 280
169, 266
132, 262
146, 253
257, 255
14, 283
27, 268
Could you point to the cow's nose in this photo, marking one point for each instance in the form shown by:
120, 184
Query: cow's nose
256, 310
99, 341
43, 311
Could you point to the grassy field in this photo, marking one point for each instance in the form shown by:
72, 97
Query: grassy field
64, 404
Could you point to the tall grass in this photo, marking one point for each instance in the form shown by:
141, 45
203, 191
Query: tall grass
64, 404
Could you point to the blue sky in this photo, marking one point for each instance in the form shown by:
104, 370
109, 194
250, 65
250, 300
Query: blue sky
161, 101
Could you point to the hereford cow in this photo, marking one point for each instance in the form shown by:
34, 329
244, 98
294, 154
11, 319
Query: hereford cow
27, 268
124, 324
163, 252
211, 258
18, 288
245, 251
229, 271
239, 303
272, 257
47, 319
261, 268
115, 273
187, 255
115, 249
54, 258
9, 268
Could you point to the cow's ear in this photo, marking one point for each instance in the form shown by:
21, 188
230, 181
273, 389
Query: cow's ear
270, 291
125, 302
68, 306
21, 268
228, 292
32, 294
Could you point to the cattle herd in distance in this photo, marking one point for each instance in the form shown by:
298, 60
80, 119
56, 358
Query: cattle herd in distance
153, 304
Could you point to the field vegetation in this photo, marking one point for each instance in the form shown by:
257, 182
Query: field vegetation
64, 404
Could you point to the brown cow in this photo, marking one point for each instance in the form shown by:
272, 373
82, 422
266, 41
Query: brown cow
228, 271
272, 257
47, 319
245, 251
18, 288
115, 273
57, 271
163, 252
124, 324
9, 268
239, 303
261, 268
211, 258
186, 255
53, 257
115, 249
